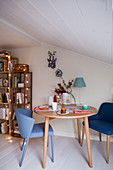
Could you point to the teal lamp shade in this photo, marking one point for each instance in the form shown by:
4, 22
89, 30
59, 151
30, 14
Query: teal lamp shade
79, 82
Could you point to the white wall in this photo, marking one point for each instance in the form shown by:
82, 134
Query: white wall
98, 78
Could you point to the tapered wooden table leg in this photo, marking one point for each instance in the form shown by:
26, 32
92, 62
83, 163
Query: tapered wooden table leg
108, 146
45, 141
88, 141
78, 124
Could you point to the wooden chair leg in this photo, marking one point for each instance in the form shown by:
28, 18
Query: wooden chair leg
83, 130
52, 147
108, 147
48, 142
100, 136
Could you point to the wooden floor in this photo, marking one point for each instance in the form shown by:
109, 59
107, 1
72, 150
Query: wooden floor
68, 155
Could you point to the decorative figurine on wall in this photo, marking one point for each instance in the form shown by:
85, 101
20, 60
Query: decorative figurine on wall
52, 59
59, 73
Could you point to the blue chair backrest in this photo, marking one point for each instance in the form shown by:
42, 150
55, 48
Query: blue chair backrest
25, 112
106, 112
25, 122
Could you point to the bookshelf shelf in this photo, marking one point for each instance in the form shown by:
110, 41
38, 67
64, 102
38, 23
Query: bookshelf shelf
21, 104
4, 87
4, 103
4, 72
21, 87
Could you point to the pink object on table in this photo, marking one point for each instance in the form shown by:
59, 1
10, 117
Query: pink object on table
38, 109
82, 111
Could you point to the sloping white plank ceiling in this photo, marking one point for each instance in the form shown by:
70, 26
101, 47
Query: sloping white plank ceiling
82, 26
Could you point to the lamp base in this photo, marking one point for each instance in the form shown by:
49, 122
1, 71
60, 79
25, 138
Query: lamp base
80, 104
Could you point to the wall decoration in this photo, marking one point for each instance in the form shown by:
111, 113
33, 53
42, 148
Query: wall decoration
59, 73
5, 82
51, 60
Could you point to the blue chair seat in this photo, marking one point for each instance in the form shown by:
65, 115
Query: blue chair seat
38, 130
101, 126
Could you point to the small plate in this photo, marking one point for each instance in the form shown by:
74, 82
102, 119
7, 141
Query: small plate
44, 107
59, 112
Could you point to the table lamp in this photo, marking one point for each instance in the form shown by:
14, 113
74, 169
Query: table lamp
79, 82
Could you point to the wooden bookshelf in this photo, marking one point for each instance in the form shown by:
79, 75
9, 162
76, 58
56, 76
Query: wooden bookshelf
7, 63
21, 96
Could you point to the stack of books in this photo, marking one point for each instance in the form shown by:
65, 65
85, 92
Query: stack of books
16, 80
18, 98
4, 113
4, 66
4, 52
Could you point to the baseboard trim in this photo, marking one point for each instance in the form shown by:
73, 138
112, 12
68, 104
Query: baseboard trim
72, 135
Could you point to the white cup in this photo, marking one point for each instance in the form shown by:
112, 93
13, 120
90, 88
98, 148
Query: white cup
54, 106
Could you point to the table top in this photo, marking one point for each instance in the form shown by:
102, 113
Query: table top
53, 114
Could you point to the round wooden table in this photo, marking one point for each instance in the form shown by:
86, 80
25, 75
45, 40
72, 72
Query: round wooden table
53, 115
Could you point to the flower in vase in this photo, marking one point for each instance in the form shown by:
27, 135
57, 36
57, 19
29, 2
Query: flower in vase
65, 88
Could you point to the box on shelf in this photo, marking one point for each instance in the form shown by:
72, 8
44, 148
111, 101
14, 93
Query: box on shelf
3, 126
20, 84
21, 67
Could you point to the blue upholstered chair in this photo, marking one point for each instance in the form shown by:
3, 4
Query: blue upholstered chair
28, 129
103, 123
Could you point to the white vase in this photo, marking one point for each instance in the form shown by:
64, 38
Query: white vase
66, 98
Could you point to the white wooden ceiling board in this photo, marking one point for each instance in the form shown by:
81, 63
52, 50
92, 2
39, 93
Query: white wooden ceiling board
23, 20
83, 26
57, 24
78, 27
94, 12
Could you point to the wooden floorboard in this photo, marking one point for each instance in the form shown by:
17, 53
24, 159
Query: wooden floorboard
68, 154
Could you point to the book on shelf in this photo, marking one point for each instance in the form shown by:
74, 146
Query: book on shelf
1, 82
18, 98
16, 131
13, 97
4, 113
16, 80
14, 116
4, 66
1, 66
3, 98
7, 113
0, 97
4, 52
7, 96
